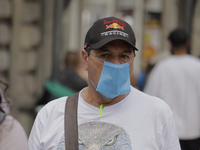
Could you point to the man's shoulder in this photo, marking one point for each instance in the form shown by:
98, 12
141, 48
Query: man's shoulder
56, 101
162, 64
165, 61
152, 101
148, 98
193, 59
54, 105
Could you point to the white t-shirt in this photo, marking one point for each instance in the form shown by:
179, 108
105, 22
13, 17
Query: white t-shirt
138, 122
176, 80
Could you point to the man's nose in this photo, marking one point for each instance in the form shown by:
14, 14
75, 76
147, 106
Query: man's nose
116, 60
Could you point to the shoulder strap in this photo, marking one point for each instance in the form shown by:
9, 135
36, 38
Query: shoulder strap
71, 127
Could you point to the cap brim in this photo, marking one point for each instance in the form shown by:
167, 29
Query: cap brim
108, 40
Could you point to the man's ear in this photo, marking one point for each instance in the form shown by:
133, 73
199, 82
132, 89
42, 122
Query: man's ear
85, 59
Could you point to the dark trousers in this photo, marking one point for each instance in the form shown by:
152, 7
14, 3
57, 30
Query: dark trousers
190, 144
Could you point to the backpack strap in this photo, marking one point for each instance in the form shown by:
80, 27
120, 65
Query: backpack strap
71, 127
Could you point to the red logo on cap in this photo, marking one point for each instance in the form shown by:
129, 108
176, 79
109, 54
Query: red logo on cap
113, 21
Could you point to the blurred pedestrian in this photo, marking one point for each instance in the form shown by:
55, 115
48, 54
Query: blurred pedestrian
71, 79
12, 135
73, 75
176, 80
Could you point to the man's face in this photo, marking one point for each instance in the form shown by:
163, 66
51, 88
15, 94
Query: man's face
116, 52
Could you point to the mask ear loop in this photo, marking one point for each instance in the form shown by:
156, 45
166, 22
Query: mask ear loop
93, 83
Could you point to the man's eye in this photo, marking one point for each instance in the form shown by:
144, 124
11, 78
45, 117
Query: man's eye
125, 56
104, 56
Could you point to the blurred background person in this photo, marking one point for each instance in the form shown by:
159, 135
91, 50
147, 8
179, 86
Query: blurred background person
176, 81
71, 79
12, 134
73, 75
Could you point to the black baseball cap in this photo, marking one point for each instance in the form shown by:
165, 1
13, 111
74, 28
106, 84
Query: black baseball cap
109, 29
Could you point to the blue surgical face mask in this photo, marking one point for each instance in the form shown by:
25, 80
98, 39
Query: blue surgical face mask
114, 80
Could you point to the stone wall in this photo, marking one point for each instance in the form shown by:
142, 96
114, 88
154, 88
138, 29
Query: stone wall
5, 36
22, 55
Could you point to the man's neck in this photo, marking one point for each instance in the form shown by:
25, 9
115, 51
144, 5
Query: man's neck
94, 98
179, 51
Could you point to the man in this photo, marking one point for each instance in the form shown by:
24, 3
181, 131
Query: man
176, 81
129, 119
